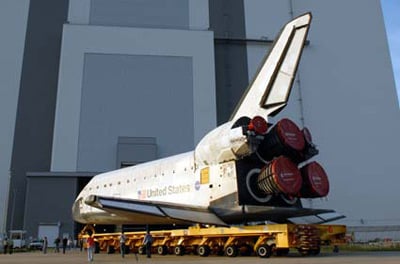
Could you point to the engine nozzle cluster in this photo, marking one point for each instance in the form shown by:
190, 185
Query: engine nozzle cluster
284, 147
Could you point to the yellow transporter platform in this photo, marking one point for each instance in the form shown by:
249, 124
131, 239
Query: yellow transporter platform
263, 240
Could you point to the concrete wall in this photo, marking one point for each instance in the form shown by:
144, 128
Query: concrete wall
13, 17
346, 95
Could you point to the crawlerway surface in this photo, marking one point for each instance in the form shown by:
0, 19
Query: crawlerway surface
75, 256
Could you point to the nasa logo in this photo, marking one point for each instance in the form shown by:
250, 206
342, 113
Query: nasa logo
197, 185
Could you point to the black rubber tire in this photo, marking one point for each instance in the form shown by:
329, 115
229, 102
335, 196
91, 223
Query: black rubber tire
264, 251
179, 250
203, 251
162, 250
231, 251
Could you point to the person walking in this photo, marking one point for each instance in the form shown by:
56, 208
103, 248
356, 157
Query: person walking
70, 243
57, 243
5, 245
45, 245
122, 240
64, 244
10, 246
81, 244
148, 241
90, 247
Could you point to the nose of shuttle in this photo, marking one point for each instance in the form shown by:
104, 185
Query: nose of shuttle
77, 211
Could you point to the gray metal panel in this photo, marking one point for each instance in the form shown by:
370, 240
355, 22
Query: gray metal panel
140, 13
37, 98
135, 150
13, 23
227, 21
134, 96
49, 200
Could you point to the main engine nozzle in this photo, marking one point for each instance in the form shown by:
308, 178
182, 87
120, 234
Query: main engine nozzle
315, 181
258, 124
280, 176
286, 138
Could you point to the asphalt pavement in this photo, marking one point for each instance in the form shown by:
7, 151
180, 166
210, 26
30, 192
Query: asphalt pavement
75, 256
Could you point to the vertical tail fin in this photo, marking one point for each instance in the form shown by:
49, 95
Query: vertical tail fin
269, 91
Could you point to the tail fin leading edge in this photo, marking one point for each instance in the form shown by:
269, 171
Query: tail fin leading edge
269, 91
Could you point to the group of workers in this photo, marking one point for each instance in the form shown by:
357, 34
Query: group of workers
90, 245
8, 245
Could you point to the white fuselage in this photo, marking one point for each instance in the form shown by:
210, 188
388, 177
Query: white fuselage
176, 180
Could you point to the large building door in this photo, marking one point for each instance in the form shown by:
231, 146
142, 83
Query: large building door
51, 231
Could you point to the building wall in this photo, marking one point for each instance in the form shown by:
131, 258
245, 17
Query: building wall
140, 50
146, 14
52, 206
36, 100
346, 95
176, 14
227, 21
13, 18
135, 150
126, 99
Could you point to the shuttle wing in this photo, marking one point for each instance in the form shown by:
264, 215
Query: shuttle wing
143, 212
269, 91
252, 213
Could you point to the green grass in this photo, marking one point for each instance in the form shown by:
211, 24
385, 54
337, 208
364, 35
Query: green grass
370, 247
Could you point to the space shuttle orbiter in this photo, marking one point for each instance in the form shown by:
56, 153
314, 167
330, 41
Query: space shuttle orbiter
243, 170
